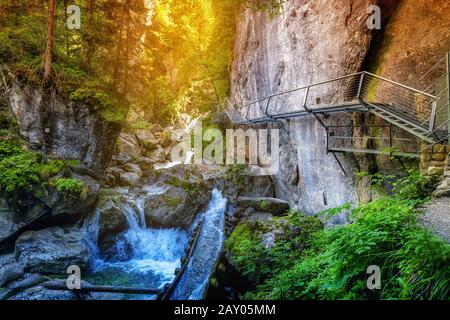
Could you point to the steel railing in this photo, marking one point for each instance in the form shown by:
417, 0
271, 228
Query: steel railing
361, 90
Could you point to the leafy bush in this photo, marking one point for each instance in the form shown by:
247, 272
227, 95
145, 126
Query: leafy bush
23, 169
69, 186
19, 171
414, 264
332, 263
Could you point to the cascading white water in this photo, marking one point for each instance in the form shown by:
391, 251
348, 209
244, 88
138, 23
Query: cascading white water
148, 257
144, 257
194, 281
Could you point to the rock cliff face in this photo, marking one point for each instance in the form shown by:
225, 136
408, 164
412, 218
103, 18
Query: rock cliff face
311, 41
62, 129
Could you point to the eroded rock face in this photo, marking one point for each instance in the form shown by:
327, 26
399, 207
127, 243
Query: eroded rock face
112, 206
310, 42
313, 41
62, 129
63, 204
176, 207
51, 250
272, 205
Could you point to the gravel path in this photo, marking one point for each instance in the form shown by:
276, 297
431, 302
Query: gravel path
436, 217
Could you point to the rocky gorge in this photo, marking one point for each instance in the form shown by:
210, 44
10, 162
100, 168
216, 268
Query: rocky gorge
98, 188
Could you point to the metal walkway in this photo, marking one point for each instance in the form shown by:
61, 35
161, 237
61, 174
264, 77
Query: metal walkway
424, 115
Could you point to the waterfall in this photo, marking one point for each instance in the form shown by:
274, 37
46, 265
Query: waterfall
194, 281
148, 258
143, 257
91, 229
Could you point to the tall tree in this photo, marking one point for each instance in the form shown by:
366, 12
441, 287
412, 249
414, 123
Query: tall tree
49, 49
89, 42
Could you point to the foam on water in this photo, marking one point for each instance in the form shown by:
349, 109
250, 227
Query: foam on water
150, 256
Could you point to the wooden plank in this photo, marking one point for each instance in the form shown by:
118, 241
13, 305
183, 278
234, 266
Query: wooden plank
61, 285
169, 289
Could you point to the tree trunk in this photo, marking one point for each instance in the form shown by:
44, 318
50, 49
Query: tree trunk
119, 49
49, 49
127, 48
89, 44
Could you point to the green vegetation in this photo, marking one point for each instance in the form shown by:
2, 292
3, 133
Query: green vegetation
69, 186
271, 7
21, 169
24, 170
332, 263
172, 202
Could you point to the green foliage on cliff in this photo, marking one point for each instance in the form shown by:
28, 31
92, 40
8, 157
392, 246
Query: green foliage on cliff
69, 186
256, 262
21, 169
272, 7
414, 264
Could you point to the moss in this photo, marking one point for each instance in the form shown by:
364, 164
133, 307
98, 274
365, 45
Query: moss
264, 205
172, 202
240, 234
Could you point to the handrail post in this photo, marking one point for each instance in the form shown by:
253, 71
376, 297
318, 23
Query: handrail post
361, 82
433, 117
267, 108
305, 101
246, 114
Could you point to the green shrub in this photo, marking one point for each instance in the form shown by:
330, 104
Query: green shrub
414, 264
69, 186
19, 171
332, 263
23, 169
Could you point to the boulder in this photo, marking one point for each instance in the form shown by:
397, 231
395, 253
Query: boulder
15, 211
52, 250
175, 208
443, 189
158, 155
272, 205
122, 159
129, 179
10, 270
146, 139
115, 171
133, 167
27, 281
69, 204
256, 186
112, 206
164, 138
145, 163
128, 144
110, 180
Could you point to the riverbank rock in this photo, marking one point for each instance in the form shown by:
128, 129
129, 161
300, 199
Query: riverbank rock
112, 206
176, 207
10, 270
40, 293
27, 281
272, 205
129, 179
51, 251
69, 204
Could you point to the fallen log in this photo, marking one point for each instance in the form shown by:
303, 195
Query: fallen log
86, 288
